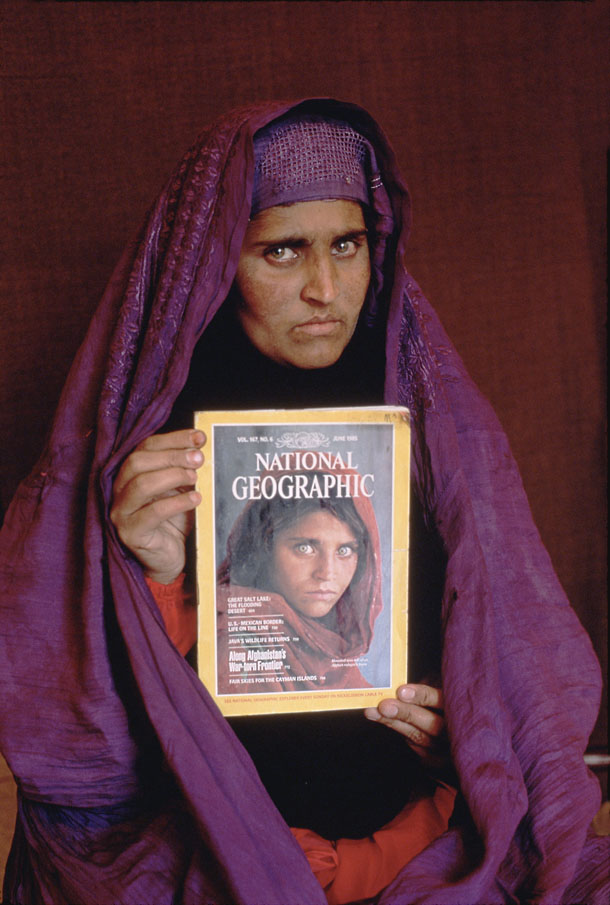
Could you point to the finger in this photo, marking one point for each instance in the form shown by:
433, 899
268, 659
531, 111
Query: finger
142, 461
423, 695
414, 735
416, 719
138, 533
159, 451
145, 488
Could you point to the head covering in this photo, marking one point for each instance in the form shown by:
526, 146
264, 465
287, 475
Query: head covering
311, 158
132, 786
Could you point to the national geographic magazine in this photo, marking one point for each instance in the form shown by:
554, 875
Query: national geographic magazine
302, 558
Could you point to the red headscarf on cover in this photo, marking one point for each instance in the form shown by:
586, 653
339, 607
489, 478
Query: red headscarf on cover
132, 787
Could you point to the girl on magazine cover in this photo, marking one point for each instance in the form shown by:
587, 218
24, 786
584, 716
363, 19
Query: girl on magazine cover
319, 560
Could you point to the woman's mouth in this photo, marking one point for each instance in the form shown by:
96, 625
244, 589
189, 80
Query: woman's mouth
319, 327
321, 593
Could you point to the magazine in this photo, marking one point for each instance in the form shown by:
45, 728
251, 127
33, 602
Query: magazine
302, 558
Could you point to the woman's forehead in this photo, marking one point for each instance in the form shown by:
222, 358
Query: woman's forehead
328, 216
316, 521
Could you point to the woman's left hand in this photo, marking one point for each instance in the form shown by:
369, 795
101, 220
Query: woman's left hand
417, 713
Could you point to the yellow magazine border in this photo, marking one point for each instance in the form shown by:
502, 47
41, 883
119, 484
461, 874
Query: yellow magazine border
251, 703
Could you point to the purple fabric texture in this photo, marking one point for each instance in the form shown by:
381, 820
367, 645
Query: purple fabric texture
132, 786
310, 159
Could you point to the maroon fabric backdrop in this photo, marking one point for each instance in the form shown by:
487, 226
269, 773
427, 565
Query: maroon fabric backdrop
498, 116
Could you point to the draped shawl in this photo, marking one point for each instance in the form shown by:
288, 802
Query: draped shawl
132, 787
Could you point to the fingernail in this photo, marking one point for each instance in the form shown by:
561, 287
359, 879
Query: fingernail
194, 457
371, 713
406, 694
198, 438
388, 708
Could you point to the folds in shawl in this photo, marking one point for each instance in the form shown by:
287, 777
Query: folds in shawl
97, 706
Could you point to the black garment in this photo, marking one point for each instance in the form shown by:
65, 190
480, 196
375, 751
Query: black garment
334, 772
227, 372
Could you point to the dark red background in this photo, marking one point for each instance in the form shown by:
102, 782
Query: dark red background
498, 115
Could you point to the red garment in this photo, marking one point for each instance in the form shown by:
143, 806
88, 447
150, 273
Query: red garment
347, 869
179, 615
317, 655
180, 619
354, 869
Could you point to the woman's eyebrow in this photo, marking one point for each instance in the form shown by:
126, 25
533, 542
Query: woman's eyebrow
292, 241
353, 234
302, 242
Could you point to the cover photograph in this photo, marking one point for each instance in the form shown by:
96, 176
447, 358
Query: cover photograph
302, 555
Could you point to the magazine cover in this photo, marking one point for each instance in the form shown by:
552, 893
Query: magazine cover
302, 557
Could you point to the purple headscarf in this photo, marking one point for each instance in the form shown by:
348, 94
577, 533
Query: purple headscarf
132, 787
311, 158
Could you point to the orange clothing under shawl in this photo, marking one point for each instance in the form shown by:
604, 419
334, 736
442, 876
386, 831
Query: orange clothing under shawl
352, 869
347, 869
179, 616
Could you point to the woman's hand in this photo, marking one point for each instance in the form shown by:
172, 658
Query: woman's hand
417, 713
153, 501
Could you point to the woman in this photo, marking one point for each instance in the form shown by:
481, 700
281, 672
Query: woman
135, 788
320, 560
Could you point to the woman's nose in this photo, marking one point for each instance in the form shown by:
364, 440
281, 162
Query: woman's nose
321, 285
324, 566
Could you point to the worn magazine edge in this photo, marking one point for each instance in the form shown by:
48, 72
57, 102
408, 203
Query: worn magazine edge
250, 704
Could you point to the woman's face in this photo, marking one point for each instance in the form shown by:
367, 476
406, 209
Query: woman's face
313, 561
303, 275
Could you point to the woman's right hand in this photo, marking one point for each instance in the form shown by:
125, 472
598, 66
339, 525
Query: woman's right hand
153, 501
417, 713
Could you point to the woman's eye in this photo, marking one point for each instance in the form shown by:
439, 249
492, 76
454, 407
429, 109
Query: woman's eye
280, 254
304, 548
346, 550
345, 248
